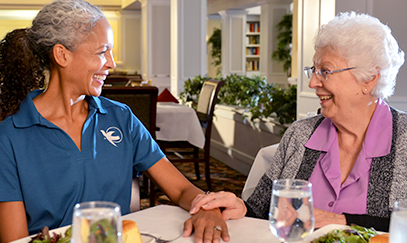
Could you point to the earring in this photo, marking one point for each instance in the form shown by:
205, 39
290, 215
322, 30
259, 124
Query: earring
365, 90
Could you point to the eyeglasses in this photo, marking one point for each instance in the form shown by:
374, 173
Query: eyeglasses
309, 71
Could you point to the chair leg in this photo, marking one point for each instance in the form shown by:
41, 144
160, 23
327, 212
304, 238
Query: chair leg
208, 174
196, 155
198, 174
152, 193
145, 184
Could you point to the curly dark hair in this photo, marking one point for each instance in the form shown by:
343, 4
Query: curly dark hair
20, 71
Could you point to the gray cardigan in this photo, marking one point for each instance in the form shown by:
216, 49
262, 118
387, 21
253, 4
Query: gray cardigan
388, 175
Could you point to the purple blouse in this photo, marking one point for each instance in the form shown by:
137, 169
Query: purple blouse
351, 196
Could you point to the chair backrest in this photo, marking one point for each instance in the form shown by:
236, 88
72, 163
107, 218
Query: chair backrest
208, 97
143, 103
206, 106
123, 80
141, 100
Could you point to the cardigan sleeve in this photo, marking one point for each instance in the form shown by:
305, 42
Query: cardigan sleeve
378, 223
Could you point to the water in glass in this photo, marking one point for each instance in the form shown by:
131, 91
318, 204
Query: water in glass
291, 210
398, 222
96, 222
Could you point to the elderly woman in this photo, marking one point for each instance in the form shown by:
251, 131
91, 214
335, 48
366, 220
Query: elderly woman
54, 144
355, 152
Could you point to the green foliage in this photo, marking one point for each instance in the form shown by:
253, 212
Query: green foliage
284, 38
192, 88
274, 99
216, 53
241, 90
254, 94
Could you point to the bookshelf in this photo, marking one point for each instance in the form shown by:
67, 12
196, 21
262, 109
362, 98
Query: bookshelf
252, 46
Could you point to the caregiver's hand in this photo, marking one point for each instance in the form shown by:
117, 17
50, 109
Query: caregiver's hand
232, 206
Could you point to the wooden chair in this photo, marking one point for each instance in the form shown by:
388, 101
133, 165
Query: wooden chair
206, 106
143, 103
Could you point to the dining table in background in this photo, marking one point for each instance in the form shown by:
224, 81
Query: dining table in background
177, 122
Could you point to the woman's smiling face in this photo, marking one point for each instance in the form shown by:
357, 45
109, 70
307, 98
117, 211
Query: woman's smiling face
341, 93
92, 60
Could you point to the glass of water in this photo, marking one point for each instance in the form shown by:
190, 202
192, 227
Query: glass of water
398, 222
291, 210
97, 222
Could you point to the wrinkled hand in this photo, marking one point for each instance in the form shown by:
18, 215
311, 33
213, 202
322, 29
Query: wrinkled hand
234, 207
286, 212
323, 218
203, 223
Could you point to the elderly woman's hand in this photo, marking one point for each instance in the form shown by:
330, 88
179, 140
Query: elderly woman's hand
233, 207
208, 226
323, 218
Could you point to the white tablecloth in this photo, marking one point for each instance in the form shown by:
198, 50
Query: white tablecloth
166, 222
178, 122
260, 165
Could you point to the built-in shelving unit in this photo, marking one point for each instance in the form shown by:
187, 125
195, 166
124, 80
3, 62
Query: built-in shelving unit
252, 45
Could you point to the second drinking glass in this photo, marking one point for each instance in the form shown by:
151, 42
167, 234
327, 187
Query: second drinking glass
96, 222
291, 210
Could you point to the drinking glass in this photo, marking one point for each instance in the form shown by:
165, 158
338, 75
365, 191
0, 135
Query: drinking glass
398, 222
291, 210
96, 222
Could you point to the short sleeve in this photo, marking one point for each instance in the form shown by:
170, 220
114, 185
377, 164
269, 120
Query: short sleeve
10, 189
146, 150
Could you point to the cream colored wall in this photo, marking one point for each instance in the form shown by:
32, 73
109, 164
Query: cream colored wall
125, 25
7, 26
37, 4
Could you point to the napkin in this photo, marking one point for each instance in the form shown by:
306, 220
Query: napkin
166, 96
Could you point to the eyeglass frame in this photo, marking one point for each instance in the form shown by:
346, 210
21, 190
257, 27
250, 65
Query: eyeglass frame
315, 70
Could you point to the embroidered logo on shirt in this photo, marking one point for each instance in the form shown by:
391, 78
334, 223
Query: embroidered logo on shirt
113, 135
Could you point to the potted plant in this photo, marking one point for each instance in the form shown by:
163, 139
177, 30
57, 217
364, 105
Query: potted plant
284, 40
255, 95
216, 52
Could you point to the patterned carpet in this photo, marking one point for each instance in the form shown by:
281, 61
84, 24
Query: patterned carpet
223, 178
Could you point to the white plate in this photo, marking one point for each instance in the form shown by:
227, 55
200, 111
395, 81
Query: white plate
145, 239
324, 230
57, 231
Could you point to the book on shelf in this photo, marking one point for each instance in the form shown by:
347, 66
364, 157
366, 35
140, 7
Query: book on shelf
252, 65
253, 51
253, 39
253, 27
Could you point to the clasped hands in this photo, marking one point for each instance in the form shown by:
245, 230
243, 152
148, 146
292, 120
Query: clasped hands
208, 220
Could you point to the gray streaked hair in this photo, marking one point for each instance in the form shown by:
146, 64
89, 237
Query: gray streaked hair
66, 22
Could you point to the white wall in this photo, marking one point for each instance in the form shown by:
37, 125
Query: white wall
391, 12
130, 40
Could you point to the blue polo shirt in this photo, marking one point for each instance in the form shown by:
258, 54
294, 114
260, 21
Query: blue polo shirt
42, 166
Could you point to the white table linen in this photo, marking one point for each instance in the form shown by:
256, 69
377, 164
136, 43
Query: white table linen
260, 165
167, 222
178, 122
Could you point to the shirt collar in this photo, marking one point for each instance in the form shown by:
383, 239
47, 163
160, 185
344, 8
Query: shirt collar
378, 138
28, 115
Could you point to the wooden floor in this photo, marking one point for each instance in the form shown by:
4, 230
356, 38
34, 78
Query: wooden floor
223, 178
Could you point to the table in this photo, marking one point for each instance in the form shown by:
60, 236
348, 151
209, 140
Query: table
178, 122
167, 222
259, 167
